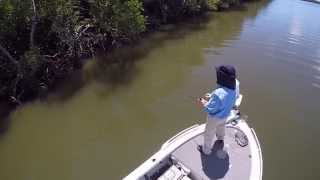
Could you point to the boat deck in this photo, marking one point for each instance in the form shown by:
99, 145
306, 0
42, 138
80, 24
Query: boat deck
236, 165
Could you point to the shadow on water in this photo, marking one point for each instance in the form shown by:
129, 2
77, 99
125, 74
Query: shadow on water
118, 68
5, 111
241, 7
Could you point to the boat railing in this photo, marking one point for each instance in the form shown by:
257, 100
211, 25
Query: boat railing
177, 135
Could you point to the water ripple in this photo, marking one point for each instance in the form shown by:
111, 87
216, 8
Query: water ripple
316, 85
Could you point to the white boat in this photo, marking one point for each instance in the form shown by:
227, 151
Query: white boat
180, 159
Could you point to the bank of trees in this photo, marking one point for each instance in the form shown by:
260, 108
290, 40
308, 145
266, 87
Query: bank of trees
42, 41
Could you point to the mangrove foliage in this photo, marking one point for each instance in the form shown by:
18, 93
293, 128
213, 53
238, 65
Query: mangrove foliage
42, 41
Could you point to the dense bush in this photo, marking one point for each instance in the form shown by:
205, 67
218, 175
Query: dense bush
44, 40
121, 20
28, 34
164, 11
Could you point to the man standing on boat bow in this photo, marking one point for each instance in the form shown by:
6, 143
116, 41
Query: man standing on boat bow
218, 106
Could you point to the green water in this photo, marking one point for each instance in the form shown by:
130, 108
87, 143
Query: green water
104, 121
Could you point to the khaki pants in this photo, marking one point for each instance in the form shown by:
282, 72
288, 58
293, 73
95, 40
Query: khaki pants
213, 126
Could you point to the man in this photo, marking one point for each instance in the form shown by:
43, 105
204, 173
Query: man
218, 106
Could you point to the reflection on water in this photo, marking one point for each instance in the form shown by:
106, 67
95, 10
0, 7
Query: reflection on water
106, 120
296, 28
316, 60
316, 85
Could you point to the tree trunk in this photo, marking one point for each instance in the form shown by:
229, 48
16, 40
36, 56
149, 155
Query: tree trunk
19, 71
34, 24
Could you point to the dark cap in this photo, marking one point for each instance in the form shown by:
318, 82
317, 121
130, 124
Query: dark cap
227, 69
226, 76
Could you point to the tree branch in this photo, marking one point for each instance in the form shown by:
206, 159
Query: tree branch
51, 56
5, 52
19, 71
34, 24
34, 7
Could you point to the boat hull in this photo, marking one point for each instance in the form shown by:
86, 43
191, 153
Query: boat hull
171, 149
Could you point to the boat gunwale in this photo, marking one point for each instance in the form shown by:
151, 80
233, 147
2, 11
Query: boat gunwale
163, 153
259, 150
255, 150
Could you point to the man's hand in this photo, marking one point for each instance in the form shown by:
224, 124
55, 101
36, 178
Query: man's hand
207, 96
202, 101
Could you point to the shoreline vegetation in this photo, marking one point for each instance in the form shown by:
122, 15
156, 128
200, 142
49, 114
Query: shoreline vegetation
42, 42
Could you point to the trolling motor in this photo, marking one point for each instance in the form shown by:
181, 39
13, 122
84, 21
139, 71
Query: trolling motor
240, 137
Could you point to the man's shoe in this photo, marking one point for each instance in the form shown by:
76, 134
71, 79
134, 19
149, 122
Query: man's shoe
219, 144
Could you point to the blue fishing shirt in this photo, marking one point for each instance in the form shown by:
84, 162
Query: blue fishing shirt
221, 102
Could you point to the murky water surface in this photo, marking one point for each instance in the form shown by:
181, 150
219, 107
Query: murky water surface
98, 126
